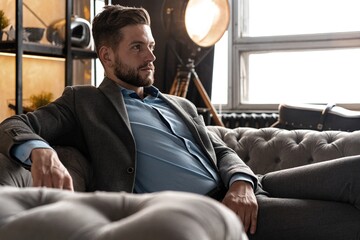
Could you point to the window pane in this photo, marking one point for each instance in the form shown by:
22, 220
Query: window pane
220, 71
307, 77
284, 17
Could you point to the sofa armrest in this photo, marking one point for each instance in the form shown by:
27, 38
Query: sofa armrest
13, 174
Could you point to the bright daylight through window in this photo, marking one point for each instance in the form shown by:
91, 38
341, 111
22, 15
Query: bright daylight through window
304, 51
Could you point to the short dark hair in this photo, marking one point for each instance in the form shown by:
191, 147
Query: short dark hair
106, 26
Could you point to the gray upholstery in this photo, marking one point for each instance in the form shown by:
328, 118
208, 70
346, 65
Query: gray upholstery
51, 214
264, 150
270, 149
13, 174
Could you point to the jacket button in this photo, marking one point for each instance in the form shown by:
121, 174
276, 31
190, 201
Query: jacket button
130, 170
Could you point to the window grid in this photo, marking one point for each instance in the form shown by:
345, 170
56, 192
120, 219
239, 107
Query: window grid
242, 47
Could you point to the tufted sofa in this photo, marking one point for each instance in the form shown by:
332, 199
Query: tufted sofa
270, 149
264, 150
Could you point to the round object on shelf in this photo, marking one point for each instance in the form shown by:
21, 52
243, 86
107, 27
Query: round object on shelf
34, 34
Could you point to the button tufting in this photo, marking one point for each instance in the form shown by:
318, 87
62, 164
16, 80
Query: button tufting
298, 140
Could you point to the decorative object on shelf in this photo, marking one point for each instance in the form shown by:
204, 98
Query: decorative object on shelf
11, 34
33, 34
41, 99
56, 32
4, 22
80, 32
25, 35
35, 101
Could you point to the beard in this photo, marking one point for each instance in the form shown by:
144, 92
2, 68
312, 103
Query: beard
132, 75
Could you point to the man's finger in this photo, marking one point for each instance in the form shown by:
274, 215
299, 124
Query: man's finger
68, 184
245, 218
253, 222
57, 178
61, 179
37, 182
47, 180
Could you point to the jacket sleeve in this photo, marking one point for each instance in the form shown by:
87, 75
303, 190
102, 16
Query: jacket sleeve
46, 123
228, 162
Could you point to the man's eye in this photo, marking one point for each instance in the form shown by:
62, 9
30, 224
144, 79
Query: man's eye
136, 47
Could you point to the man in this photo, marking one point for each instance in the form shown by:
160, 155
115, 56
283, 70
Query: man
140, 140
137, 139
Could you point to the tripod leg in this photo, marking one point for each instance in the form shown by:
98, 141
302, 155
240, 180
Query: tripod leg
184, 85
206, 99
181, 83
174, 87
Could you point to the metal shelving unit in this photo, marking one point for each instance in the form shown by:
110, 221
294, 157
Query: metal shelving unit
19, 47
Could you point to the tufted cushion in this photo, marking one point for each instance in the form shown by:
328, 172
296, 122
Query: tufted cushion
43, 213
270, 149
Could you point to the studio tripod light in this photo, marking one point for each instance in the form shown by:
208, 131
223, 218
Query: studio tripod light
197, 25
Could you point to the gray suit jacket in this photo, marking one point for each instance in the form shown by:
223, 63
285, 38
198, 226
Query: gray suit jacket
95, 121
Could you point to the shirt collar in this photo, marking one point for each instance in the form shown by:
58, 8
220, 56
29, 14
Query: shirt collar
151, 90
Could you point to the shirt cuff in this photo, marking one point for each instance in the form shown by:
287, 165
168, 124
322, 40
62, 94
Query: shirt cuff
22, 151
241, 177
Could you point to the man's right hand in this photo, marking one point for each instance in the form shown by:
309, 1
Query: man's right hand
48, 171
241, 199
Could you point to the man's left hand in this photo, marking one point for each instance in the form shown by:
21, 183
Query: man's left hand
241, 199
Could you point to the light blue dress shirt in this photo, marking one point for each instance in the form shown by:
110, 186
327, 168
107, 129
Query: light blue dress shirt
22, 152
167, 156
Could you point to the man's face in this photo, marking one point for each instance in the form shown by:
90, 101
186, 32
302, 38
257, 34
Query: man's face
134, 57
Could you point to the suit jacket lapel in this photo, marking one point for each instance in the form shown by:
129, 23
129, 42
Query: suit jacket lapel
113, 92
183, 114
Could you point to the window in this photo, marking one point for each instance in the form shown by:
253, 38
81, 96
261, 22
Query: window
220, 71
304, 51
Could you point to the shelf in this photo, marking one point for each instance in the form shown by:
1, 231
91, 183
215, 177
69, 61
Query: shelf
18, 47
47, 50
80, 53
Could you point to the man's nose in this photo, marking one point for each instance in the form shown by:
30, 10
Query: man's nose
150, 55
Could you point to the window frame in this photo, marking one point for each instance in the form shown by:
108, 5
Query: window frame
240, 47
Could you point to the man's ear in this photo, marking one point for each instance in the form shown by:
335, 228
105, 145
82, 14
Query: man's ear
105, 55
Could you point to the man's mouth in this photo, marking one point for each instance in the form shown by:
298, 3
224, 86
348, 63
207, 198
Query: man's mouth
147, 68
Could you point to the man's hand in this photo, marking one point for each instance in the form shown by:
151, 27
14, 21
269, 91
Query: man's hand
48, 171
241, 199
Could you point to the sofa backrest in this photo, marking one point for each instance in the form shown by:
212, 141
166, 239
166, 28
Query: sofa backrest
270, 149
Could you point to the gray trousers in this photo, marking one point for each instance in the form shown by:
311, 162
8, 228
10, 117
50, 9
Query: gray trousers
317, 201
